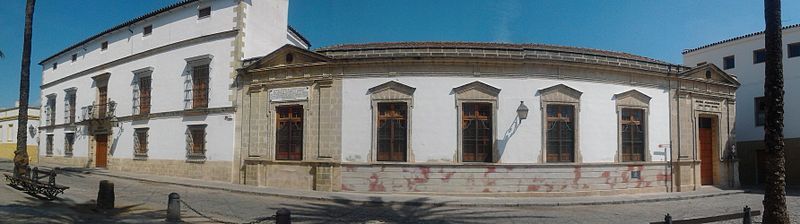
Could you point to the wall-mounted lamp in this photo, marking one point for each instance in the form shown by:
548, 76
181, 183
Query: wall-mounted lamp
522, 111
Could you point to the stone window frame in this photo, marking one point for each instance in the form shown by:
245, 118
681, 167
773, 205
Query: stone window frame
69, 146
188, 84
50, 109
70, 109
137, 154
192, 156
136, 90
476, 92
560, 95
391, 92
303, 140
633, 99
271, 124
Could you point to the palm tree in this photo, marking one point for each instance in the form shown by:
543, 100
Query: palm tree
775, 189
21, 154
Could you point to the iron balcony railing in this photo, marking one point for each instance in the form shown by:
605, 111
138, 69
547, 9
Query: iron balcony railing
99, 111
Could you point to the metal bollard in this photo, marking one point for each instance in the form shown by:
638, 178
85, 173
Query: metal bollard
283, 216
747, 219
667, 219
174, 208
105, 195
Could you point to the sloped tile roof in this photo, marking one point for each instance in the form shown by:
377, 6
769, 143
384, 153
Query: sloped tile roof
734, 39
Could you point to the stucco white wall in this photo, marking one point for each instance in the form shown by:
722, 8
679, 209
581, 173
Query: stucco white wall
266, 24
265, 27
434, 126
177, 25
752, 78
8, 128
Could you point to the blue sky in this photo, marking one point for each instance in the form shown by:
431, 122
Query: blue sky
657, 29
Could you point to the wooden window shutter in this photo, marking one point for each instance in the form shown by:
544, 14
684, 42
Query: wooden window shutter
135, 100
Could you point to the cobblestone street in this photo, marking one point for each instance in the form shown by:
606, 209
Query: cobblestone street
145, 202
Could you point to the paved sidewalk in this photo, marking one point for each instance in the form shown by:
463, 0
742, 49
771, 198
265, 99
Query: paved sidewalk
411, 199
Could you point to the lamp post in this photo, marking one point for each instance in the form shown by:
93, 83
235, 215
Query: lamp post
522, 111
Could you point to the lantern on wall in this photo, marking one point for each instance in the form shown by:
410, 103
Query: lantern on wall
522, 111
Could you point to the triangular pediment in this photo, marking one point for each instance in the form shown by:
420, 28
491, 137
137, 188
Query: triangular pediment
711, 72
561, 93
287, 55
477, 86
632, 98
392, 86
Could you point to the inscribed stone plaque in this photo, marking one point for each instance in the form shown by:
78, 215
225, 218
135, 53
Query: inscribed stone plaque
288, 94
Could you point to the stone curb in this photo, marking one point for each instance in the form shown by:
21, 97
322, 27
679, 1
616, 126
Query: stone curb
342, 197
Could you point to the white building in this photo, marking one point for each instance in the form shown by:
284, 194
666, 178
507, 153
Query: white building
8, 132
155, 94
743, 56
462, 117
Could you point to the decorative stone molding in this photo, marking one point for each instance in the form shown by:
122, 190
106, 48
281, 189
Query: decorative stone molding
632, 98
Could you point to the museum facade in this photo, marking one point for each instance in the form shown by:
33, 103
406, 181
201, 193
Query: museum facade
458, 117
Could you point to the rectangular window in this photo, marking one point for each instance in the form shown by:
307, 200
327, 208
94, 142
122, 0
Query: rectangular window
196, 140
69, 141
560, 133
104, 46
632, 134
204, 12
147, 30
74, 57
71, 107
55, 65
200, 87
102, 101
759, 56
760, 111
476, 128
144, 94
728, 62
392, 130
51, 111
794, 49
11, 135
701, 63
49, 146
289, 131
140, 143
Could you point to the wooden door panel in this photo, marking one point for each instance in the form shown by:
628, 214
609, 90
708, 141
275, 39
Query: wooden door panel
101, 150
706, 157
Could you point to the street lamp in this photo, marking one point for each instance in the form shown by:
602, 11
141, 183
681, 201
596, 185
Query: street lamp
522, 111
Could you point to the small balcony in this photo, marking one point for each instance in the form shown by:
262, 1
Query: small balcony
98, 111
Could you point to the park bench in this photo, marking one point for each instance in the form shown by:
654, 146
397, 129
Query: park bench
33, 183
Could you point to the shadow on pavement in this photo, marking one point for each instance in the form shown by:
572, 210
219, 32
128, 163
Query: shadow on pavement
33, 210
342, 210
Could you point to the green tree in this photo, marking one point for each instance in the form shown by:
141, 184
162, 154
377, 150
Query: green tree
775, 189
21, 154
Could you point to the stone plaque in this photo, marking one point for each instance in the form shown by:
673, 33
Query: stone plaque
288, 94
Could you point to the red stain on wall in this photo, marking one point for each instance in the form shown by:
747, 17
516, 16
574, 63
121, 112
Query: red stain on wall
350, 168
508, 168
490, 170
486, 190
374, 184
346, 188
577, 172
549, 187
533, 188
447, 176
